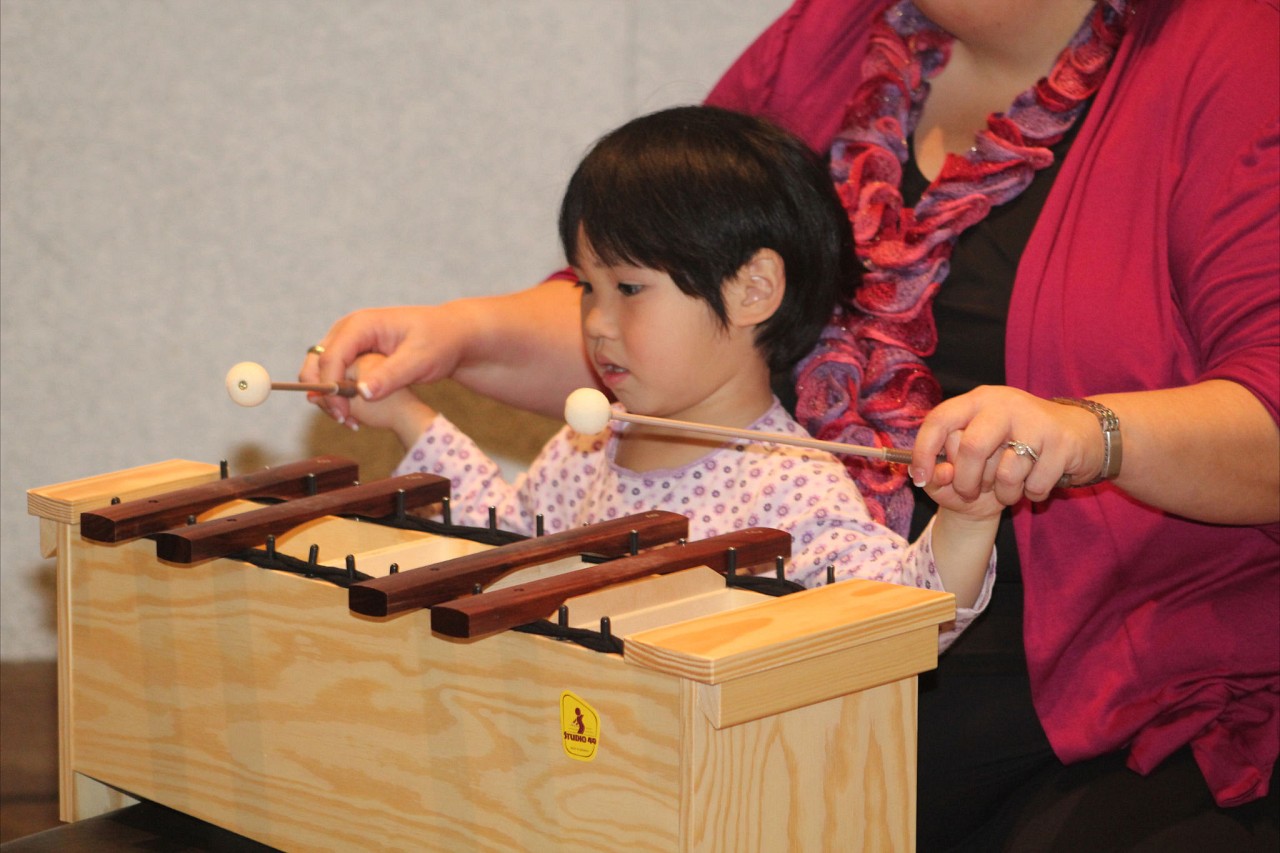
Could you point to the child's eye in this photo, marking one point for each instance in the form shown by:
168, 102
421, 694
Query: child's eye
629, 289
584, 285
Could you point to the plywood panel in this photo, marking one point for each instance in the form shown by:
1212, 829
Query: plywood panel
837, 775
257, 701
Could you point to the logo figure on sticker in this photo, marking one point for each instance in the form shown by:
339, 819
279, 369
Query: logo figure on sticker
580, 727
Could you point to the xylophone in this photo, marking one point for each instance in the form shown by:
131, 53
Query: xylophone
302, 659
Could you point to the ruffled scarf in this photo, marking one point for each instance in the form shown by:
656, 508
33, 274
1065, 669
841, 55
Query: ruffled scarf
866, 382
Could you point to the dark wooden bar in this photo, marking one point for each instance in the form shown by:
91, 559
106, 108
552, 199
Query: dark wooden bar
502, 609
220, 537
129, 520
430, 585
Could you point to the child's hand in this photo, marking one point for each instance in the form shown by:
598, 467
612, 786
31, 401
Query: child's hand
964, 529
986, 505
401, 411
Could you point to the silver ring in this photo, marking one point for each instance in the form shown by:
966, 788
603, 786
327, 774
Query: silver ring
1023, 449
316, 350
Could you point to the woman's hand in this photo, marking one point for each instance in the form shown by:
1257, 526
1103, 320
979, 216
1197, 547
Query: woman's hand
421, 344
1208, 452
523, 349
981, 433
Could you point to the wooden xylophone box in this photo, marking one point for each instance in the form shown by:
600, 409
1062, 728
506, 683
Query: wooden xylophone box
223, 651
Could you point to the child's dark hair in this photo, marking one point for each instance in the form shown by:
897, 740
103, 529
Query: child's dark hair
695, 192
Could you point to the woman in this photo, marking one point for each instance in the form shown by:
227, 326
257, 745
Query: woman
1110, 238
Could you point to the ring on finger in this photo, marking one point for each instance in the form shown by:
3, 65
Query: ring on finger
318, 349
1023, 449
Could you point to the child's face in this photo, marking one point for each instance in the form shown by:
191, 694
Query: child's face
660, 351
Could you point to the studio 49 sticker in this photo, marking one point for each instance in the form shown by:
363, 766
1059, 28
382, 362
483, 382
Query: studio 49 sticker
580, 727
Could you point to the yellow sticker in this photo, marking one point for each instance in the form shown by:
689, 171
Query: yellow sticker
580, 725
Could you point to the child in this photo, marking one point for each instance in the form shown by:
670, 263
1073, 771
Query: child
710, 249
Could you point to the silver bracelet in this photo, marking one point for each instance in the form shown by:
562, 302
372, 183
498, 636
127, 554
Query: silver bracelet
1112, 446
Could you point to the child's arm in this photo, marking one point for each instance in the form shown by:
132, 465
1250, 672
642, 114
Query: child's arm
435, 446
964, 531
962, 543
403, 412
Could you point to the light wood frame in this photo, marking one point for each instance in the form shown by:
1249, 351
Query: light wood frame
257, 701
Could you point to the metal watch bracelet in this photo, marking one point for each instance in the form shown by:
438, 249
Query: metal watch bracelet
1112, 446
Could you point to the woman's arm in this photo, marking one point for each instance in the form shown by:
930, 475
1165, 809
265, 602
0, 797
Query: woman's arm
523, 348
1210, 452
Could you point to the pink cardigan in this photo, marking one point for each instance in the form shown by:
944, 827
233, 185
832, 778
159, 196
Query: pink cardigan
1154, 263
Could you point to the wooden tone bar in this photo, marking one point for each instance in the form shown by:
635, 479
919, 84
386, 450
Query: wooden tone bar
222, 536
428, 586
506, 608
150, 515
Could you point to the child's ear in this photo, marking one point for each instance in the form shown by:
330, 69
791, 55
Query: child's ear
754, 294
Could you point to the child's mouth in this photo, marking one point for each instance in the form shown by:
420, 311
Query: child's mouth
611, 374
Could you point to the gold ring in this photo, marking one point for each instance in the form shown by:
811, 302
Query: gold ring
316, 350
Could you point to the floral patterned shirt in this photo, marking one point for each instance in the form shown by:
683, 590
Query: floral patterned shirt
807, 493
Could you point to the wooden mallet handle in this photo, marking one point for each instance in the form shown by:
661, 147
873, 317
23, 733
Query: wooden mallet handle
587, 411
249, 384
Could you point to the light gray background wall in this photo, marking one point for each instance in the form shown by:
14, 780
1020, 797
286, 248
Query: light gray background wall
191, 183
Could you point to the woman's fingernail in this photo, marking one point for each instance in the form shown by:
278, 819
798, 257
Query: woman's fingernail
363, 388
917, 478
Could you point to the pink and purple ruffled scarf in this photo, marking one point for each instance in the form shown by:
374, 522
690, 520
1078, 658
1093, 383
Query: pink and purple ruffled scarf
866, 381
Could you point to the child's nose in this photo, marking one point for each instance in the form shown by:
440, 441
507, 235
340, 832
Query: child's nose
596, 322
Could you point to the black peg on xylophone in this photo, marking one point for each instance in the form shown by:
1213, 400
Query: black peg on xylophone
271, 546
730, 566
115, 501
312, 488
222, 470
606, 629
476, 589
493, 519
351, 567
400, 509
394, 569
539, 529
562, 616
446, 512
634, 542
191, 519
313, 557
831, 573
777, 568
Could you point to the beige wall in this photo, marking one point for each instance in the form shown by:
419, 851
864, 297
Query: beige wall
194, 183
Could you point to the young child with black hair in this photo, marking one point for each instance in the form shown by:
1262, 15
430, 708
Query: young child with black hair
710, 249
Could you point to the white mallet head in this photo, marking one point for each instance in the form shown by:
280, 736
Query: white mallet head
248, 383
587, 411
